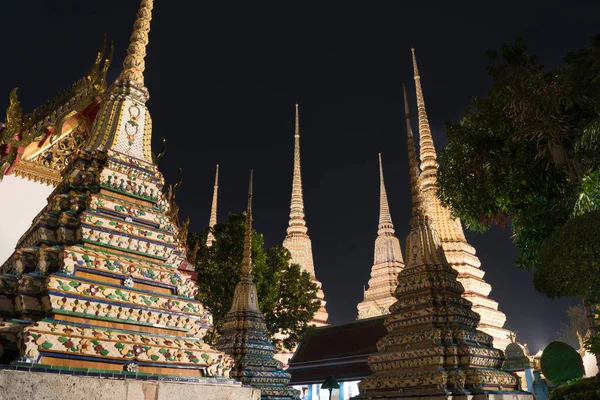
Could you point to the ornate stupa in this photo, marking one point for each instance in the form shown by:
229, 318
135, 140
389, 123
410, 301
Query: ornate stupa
387, 262
432, 346
245, 335
213, 211
459, 253
94, 283
297, 240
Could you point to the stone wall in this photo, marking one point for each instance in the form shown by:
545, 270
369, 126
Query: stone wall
17, 385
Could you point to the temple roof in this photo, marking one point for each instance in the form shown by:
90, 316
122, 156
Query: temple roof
340, 351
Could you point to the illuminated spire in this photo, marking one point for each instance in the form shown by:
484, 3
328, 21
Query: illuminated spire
429, 163
412, 162
134, 66
297, 222
213, 211
246, 269
297, 240
385, 218
387, 262
457, 251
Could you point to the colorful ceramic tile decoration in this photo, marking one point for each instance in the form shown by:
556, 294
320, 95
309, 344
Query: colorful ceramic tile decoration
432, 346
245, 335
96, 283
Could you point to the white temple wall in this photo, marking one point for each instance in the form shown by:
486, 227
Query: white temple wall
589, 364
20, 201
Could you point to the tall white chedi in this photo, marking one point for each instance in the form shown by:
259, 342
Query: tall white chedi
297, 240
387, 263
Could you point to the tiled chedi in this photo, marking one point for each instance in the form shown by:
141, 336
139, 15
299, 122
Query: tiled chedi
245, 336
95, 282
459, 253
432, 346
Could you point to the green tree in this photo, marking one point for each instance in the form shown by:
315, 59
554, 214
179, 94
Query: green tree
576, 327
286, 295
528, 155
330, 383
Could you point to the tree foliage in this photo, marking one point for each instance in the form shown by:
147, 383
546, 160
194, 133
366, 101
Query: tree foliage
286, 295
569, 263
528, 155
561, 363
575, 329
330, 383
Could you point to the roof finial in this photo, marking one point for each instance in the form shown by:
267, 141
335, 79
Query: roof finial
133, 66
412, 162
297, 223
385, 218
246, 269
213, 211
427, 149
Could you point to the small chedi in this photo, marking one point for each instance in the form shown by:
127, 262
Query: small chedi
297, 240
387, 262
94, 284
459, 253
245, 335
432, 346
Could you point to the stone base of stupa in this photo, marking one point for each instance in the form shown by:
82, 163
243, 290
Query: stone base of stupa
484, 396
17, 385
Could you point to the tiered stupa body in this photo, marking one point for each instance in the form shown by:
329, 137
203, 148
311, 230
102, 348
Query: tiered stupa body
387, 262
432, 346
245, 335
459, 253
297, 240
213, 211
94, 283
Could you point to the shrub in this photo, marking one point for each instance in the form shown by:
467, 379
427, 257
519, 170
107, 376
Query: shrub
584, 389
561, 363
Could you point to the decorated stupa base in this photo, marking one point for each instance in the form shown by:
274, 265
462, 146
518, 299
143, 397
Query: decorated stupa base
245, 338
432, 347
94, 283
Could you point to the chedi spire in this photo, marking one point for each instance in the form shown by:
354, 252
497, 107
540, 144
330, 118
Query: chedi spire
387, 262
123, 123
297, 240
134, 64
458, 252
245, 335
213, 211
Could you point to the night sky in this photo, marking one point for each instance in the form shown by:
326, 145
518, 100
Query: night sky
224, 77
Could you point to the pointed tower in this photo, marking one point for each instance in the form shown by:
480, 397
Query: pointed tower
94, 283
432, 347
459, 253
245, 335
213, 211
387, 262
297, 240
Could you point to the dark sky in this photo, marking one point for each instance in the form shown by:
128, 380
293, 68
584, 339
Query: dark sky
224, 77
